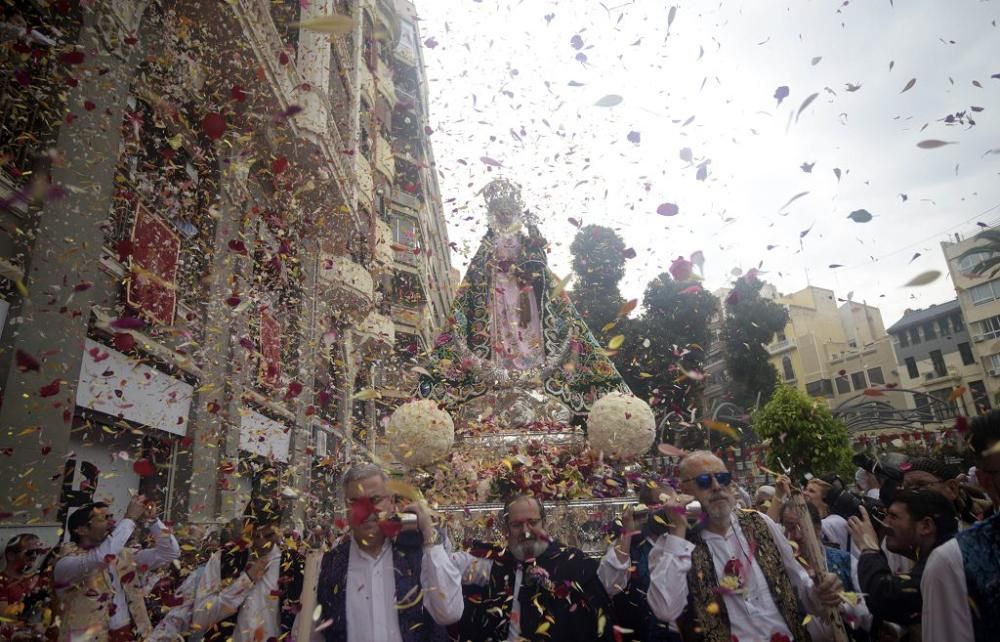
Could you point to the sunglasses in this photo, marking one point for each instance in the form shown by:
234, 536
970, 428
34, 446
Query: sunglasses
704, 480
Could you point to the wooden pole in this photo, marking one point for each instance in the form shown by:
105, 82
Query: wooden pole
812, 551
310, 580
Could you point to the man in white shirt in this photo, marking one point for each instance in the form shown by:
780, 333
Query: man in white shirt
385, 581
250, 589
97, 562
961, 582
735, 576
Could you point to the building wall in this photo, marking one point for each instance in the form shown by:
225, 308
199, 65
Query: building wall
982, 318
823, 343
283, 258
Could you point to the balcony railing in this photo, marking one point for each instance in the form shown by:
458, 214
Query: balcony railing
780, 346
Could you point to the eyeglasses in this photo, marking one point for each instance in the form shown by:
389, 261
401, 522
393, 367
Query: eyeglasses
704, 480
530, 523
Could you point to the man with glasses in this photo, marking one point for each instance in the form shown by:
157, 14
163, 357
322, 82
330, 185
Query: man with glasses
535, 588
24, 592
734, 576
961, 582
99, 579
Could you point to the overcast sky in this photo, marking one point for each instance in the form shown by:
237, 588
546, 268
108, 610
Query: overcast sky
503, 85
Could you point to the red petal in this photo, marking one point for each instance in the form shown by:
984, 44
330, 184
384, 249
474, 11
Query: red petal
50, 390
361, 509
144, 468
124, 341
214, 125
26, 362
279, 165
667, 209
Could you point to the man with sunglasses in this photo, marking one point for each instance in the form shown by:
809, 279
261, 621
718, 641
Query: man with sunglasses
734, 576
535, 588
24, 592
961, 582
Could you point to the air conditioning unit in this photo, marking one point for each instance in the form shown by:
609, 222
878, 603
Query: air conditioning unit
995, 372
979, 338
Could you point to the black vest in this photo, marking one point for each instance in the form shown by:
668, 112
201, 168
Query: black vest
563, 600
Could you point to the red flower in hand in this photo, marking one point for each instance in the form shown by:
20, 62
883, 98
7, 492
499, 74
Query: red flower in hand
780, 637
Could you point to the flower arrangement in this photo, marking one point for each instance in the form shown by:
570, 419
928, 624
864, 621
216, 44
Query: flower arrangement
420, 433
621, 426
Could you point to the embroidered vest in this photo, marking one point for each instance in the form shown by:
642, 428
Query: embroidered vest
980, 546
415, 622
697, 623
572, 605
85, 608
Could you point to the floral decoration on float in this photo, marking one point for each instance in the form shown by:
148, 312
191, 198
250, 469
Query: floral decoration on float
420, 433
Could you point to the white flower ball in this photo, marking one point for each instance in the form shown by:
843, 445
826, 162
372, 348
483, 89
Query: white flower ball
420, 433
621, 426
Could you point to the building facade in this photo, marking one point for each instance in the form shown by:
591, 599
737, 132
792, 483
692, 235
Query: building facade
979, 301
934, 354
222, 242
832, 352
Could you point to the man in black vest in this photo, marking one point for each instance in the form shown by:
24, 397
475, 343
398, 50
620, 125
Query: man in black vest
534, 588
386, 581
624, 569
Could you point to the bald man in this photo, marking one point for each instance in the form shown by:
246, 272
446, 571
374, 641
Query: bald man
734, 576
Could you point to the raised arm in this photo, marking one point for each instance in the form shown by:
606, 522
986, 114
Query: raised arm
72, 569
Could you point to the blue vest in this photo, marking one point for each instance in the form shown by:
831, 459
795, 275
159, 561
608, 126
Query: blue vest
980, 546
415, 623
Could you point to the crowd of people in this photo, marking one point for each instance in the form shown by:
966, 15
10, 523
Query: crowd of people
908, 553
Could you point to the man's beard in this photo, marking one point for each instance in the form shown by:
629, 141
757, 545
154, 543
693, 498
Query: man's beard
719, 511
527, 549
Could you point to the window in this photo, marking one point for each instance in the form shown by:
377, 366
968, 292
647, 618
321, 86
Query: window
957, 322
821, 387
786, 365
858, 380
965, 350
903, 339
979, 396
923, 407
995, 362
943, 326
946, 409
914, 335
969, 263
929, 331
911, 368
875, 376
990, 328
843, 385
938, 361
984, 292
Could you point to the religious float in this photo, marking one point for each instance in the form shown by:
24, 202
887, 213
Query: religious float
518, 396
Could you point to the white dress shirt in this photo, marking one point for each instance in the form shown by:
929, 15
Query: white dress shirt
255, 603
753, 615
371, 608
73, 569
946, 614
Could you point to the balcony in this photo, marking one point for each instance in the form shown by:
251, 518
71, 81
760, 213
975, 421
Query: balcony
385, 256
366, 184
383, 81
351, 285
777, 347
407, 200
407, 315
376, 334
385, 162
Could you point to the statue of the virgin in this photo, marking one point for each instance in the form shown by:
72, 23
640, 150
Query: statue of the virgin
515, 347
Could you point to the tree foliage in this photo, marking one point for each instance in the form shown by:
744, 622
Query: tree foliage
803, 434
751, 323
599, 265
662, 354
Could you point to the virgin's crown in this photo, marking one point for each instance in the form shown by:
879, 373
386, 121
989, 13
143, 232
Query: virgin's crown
503, 195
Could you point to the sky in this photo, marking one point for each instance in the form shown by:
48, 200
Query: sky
522, 85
